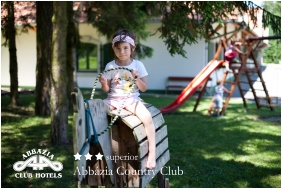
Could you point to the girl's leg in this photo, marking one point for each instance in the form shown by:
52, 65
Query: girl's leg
211, 106
145, 116
227, 65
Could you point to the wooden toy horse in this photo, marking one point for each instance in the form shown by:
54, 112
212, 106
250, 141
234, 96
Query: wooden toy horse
116, 154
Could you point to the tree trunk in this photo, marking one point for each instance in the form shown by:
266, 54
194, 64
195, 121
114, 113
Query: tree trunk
14, 95
72, 37
44, 10
59, 77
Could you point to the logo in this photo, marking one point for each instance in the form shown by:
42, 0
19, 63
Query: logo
165, 170
38, 160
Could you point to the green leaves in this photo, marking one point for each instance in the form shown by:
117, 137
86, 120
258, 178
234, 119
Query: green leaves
183, 23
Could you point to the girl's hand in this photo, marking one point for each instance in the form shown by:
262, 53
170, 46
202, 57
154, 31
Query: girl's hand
102, 79
135, 74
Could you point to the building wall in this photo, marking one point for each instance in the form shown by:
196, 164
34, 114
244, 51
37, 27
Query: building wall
162, 64
26, 54
159, 66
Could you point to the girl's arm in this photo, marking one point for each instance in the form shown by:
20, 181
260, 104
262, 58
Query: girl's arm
238, 50
140, 82
105, 83
225, 90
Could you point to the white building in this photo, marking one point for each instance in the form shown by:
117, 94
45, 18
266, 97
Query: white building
159, 66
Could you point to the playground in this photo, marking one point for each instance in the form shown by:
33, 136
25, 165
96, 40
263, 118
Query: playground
240, 149
178, 141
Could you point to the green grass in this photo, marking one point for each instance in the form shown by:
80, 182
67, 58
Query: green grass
238, 150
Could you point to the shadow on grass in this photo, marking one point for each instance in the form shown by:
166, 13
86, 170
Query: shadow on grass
22, 134
236, 150
228, 151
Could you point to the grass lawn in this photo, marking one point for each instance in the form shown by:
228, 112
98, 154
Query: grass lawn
239, 150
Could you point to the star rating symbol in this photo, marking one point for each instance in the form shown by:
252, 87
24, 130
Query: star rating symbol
88, 156
99, 156
77, 156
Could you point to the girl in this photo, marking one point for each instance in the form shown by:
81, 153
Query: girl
231, 52
118, 86
217, 100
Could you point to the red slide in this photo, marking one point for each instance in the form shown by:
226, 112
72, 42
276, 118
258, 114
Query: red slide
193, 86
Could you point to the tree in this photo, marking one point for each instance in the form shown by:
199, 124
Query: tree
181, 22
72, 41
9, 33
59, 75
44, 10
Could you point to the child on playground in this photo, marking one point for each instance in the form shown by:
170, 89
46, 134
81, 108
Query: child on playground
231, 52
118, 85
217, 100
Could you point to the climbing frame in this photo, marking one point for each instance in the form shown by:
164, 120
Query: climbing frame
247, 69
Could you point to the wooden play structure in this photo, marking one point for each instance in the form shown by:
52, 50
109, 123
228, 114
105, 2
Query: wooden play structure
249, 69
247, 66
124, 146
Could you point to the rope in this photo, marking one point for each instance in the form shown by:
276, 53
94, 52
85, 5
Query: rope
97, 78
94, 139
90, 139
119, 110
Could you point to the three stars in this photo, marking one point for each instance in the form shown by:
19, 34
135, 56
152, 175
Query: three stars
77, 156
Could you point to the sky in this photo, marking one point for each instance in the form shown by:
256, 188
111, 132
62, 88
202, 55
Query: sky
257, 2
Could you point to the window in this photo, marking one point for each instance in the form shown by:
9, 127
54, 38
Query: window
87, 57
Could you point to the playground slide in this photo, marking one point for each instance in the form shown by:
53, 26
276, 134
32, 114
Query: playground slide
192, 86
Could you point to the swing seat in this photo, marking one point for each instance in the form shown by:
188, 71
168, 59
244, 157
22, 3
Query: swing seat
124, 147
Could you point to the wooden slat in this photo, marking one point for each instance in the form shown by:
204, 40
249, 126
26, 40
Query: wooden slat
161, 148
128, 146
145, 179
95, 180
158, 121
123, 113
147, 105
161, 134
115, 150
144, 146
132, 121
139, 133
79, 130
153, 110
99, 113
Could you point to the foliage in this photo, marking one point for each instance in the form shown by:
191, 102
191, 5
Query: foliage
185, 23
23, 19
273, 53
239, 150
182, 22
132, 15
272, 15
